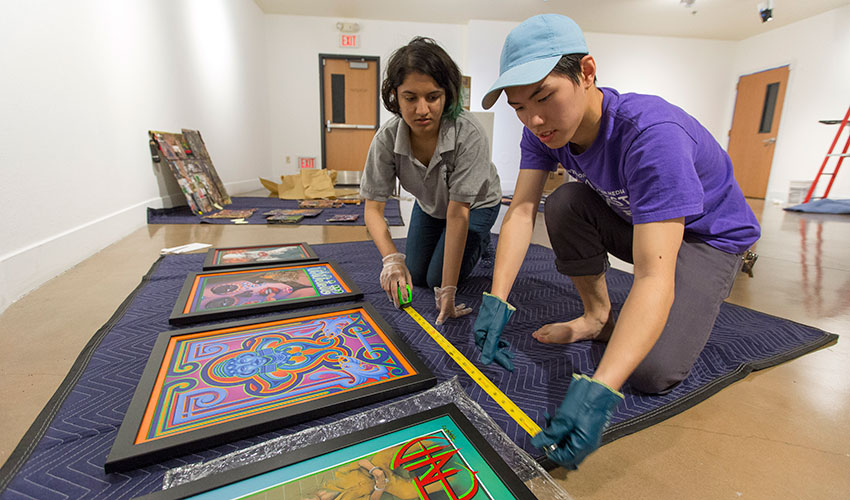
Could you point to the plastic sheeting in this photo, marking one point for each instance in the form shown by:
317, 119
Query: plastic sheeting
529, 471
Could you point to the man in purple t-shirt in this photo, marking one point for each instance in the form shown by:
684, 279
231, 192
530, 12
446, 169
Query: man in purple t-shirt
655, 189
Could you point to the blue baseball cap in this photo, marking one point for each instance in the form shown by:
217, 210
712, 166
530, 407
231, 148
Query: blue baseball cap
532, 49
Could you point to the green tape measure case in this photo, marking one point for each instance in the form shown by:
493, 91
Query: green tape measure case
401, 300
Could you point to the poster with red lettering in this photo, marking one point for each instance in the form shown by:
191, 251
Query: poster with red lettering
436, 454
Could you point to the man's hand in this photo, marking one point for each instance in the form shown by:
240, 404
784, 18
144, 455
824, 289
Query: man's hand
395, 277
576, 430
445, 302
492, 318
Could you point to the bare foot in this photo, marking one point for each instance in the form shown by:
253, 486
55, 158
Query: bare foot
581, 328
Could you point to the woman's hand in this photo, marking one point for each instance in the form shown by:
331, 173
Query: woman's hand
380, 478
395, 277
381, 482
445, 301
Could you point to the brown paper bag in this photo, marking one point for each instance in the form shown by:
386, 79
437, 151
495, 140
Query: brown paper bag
318, 183
272, 186
290, 187
308, 184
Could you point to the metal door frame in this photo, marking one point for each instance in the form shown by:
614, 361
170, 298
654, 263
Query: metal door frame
347, 57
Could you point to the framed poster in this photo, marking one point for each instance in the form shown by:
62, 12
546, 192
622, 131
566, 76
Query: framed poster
193, 170
210, 295
199, 150
436, 454
258, 255
204, 386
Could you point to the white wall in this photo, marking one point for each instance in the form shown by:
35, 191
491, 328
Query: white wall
485, 41
82, 83
294, 45
818, 52
700, 76
692, 74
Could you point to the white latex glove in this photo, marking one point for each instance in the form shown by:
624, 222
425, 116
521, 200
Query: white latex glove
395, 276
445, 302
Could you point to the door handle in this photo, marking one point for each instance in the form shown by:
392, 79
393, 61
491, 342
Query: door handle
769, 141
329, 126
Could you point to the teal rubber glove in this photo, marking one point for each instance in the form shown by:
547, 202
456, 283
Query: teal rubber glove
576, 430
492, 318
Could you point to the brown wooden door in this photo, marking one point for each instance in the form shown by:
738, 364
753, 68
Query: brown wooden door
755, 124
349, 110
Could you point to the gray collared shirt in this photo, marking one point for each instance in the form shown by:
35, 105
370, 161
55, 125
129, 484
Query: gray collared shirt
460, 169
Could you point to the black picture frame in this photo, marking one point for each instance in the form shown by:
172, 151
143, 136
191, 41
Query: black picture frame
184, 312
127, 454
497, 465
213, 262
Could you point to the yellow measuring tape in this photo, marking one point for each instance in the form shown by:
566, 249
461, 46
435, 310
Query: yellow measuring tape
489, 387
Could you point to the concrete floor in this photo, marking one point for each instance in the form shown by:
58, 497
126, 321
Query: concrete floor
783, 432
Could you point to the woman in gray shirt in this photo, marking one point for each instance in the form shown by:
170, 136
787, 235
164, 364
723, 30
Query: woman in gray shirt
441, 155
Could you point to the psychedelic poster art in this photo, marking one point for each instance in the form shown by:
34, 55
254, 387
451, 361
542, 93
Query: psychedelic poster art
189, 162
212, 295
433, 455
306, 212
199, 150
260, 255
206, 385
232, 214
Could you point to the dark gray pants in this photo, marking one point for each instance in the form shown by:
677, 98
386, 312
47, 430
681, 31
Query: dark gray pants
583, 230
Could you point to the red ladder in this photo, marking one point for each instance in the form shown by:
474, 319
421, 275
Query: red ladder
830, 154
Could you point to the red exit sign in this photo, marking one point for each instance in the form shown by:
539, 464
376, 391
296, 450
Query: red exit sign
352, 41
306, 162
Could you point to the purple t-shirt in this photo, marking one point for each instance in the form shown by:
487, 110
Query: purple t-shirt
651, 162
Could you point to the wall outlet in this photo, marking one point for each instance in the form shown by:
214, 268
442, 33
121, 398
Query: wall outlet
287, 159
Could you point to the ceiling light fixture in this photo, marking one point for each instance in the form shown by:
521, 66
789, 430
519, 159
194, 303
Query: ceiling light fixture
766, 11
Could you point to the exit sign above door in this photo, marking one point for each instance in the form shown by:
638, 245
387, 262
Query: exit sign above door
350, 41
304, 162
